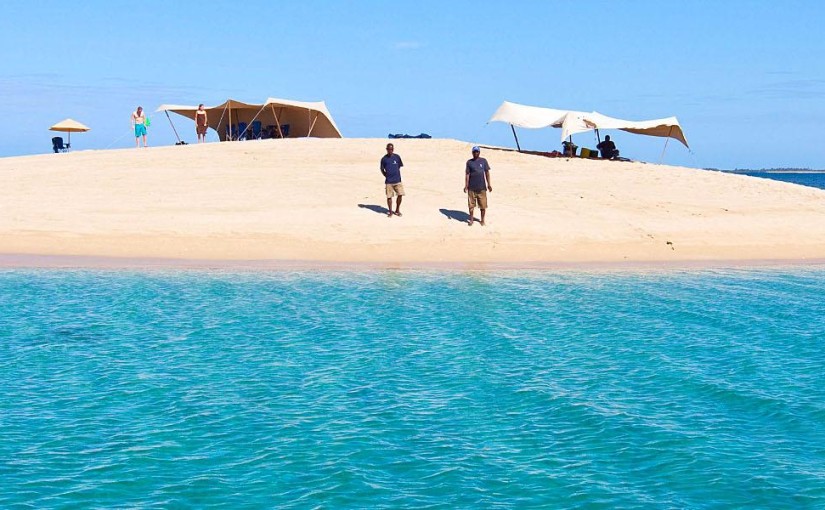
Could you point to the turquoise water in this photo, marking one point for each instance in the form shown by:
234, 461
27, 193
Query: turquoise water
701, 389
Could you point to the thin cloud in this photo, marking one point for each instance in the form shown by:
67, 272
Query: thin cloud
792, 89
408, 45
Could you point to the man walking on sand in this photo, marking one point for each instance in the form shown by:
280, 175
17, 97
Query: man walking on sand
391, 169
477, 184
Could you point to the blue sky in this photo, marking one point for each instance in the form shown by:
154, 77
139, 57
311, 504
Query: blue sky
745, 79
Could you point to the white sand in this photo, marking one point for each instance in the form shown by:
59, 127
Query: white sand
301, 200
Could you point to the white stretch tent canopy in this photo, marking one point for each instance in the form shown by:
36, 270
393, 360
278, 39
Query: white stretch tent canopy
666, 128
531, 117
572, 122
303, 118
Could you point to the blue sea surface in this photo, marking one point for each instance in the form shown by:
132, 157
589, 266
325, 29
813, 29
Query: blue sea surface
812, 179
412, 389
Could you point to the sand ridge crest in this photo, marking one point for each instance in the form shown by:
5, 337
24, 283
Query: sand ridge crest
323, 199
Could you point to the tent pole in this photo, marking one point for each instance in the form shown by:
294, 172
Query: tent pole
598, 136
218, 125
312, 125
516, 137
277, 122
251, 121
662, 157
172, 124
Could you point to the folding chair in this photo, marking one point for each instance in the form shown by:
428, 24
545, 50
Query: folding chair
57, 145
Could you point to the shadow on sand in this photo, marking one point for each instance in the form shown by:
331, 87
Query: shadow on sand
461, 216
374, 208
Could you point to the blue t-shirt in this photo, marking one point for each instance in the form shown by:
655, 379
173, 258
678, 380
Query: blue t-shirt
475, 169
391, 167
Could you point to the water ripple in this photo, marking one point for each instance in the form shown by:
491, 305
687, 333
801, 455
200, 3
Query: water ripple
412, 389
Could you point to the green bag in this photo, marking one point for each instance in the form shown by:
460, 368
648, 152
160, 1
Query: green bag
147, 122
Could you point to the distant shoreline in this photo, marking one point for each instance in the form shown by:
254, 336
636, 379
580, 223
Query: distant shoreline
150, 264
770, 171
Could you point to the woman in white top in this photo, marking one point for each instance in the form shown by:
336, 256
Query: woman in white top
139, 123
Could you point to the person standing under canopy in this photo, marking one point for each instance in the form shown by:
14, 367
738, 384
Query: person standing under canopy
201, 123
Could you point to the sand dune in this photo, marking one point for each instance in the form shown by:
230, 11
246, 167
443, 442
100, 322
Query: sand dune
321, 200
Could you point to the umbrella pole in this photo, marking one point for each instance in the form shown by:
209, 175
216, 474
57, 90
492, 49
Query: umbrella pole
69, 143
516, 137
662, 157
598, 136
173, 125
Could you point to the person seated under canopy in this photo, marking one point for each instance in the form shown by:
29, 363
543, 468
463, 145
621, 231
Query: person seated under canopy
608, 149
569, 148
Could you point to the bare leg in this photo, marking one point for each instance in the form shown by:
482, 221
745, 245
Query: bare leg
483, 211
398, 205
137, 141
389, 207
470, 221
144, 141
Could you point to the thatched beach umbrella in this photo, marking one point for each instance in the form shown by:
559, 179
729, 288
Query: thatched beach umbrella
69, 126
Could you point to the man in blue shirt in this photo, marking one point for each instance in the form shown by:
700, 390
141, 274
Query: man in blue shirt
477, 184
391, 168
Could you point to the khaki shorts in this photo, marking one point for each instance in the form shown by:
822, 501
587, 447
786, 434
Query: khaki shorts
477, 197
395, 189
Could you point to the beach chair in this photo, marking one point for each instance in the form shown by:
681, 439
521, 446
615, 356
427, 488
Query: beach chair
284, 130
231, 131
242, 131
256, 129
57, 145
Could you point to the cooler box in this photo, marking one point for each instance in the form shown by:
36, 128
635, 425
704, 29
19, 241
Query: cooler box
585, 152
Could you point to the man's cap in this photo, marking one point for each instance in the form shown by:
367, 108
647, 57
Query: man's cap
476, 149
